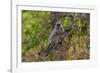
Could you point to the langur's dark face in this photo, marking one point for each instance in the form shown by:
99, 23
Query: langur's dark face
58, 25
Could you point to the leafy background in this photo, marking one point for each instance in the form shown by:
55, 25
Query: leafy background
36, 28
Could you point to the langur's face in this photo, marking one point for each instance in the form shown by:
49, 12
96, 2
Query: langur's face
58, 25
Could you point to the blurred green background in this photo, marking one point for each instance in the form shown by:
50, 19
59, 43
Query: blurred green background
36, 28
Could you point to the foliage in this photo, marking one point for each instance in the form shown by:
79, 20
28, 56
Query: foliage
36, 27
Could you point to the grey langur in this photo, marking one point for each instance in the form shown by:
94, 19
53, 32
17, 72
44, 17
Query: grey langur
54, 38
56, 34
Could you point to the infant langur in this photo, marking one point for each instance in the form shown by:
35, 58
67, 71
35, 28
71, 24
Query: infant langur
56, 34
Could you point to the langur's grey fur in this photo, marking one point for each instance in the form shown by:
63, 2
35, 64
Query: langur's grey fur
56, 33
